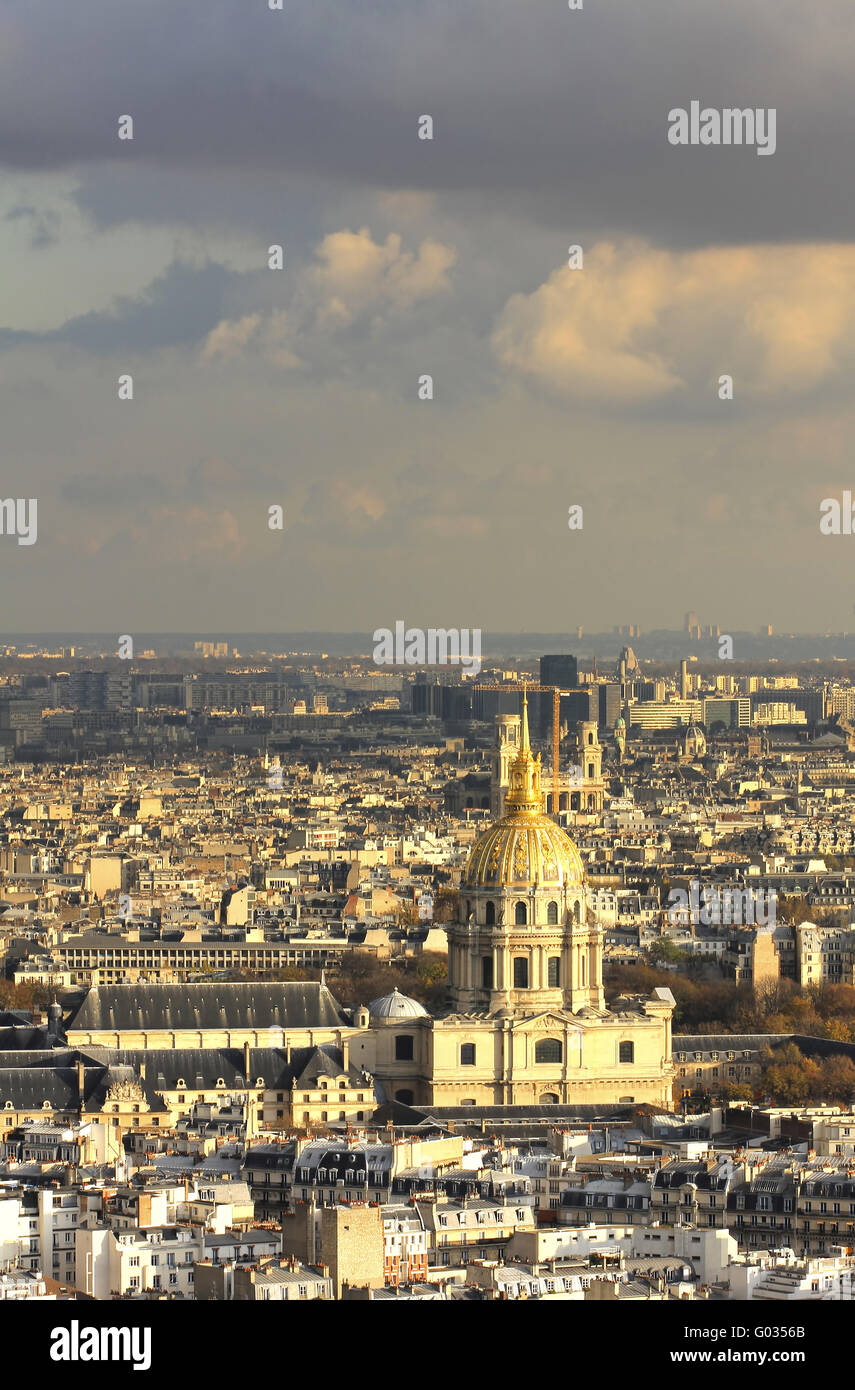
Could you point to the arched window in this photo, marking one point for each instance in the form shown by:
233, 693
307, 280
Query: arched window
549, 1098
520, 915
548, 1050
491, 914
520, 972
553, 972
405, 1097
468, 909
552, 914
590, 737
467, 1055
576, 911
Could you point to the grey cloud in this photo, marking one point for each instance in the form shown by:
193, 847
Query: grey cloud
180, 306
562, 114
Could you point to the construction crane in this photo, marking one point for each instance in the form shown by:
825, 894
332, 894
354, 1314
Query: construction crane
557, 692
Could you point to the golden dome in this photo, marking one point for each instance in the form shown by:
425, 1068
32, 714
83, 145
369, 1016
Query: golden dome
525, 846
522, 849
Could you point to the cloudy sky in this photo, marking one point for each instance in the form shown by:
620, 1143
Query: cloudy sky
403, 257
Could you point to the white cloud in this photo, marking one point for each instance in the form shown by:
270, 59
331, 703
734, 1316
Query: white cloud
356, 273
639, 323
230, 337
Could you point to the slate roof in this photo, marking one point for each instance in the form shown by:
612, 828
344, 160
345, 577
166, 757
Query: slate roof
37, 1057
223, 1004
231, 1241
28, 1079
738, 1042
201, 1067
278, 1157
28, 1087
500, 1113
23, 1036
347, 1162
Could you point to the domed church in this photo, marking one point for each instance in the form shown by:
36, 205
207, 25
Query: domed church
527, 1023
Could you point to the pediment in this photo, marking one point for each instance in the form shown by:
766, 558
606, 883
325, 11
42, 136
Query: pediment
550, 1021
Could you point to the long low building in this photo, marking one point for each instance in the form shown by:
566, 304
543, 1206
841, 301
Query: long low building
151, 1089
101, 958
224, 1014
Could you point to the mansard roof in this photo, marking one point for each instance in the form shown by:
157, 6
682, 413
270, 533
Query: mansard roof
215, 1006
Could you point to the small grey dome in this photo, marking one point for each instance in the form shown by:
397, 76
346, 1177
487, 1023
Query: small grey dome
396, 1005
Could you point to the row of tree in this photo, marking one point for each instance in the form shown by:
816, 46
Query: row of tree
791, 1078
358, 979
29, 998
716, 1005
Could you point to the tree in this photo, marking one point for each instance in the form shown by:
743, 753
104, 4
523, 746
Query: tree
446, 905
432, 968
666, 950
737, 1090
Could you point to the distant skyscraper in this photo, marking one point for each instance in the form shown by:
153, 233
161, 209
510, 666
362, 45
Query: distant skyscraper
561, 670
611, 696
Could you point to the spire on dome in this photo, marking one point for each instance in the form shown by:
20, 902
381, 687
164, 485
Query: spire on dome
524, 793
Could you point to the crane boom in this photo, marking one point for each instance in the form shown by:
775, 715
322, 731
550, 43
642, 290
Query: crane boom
556, 692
